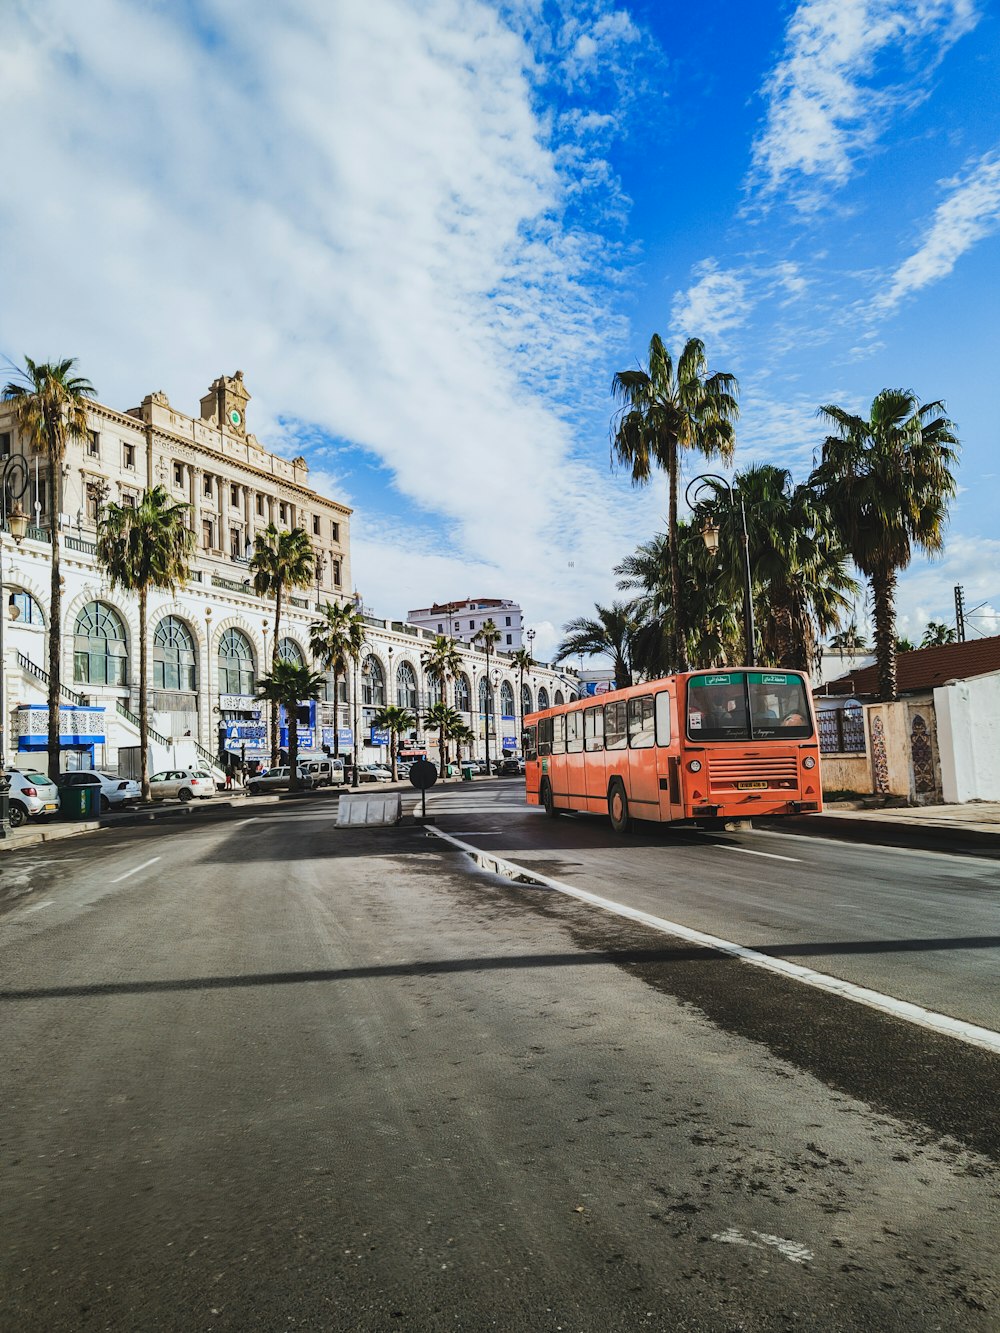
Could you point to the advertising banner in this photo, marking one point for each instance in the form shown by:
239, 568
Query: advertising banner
78, 726
379, 737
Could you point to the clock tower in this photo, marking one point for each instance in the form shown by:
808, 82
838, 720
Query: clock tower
225, 403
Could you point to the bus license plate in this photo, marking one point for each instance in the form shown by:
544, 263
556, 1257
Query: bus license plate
751, 786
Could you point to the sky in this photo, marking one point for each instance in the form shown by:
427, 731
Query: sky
430, 231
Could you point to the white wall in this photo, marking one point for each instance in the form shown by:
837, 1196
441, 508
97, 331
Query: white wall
968, 718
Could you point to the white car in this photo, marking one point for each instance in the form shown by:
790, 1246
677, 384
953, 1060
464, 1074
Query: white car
31, 795
115, 793
184, 783
374, 773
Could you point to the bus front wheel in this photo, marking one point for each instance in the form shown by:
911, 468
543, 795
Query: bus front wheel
618, 807
547, 799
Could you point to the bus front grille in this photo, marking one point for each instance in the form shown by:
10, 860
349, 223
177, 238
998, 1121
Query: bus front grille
776, 771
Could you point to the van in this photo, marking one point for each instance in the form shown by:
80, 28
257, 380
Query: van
324, 772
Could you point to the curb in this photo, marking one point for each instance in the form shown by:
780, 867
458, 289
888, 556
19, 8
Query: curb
889, 833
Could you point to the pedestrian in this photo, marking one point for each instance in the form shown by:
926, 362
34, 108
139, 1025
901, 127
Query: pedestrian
229, 777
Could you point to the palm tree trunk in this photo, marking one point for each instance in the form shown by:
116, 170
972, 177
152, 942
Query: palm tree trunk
884, 594
276, 708
143, 700
678, 651
55, 617
393, 741
336, 715
293, 748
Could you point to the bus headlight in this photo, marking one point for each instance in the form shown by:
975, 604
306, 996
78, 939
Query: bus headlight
695, 765
809, 762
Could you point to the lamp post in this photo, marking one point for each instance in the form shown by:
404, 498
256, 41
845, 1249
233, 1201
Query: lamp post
492, 698
320, 569
699, 490
14, 480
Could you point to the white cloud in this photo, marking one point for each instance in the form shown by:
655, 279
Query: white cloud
969, 213
359, 206
714, 305
834, 88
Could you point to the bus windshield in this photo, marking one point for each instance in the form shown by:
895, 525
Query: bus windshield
747, 705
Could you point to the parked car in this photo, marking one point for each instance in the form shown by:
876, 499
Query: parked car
184, 783
324, 772
278, 779
31, 796
511, 767
116, 793
374, 773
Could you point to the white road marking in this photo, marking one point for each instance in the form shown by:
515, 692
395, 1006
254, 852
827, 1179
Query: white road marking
38, 906
747, 851
135, 870
791, 1249
888, 1004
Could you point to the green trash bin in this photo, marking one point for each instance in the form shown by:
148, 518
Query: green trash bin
93, 795
466, 772
74, 802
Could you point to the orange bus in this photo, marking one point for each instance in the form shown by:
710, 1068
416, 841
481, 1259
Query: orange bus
699, 748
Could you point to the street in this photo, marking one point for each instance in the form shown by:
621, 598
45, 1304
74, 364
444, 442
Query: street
264, 1073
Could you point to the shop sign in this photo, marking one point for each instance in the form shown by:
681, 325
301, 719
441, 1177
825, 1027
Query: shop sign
239, 703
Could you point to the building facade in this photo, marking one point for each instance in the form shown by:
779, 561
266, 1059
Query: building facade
211, 640
463, 620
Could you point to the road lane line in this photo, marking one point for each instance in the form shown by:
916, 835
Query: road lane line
747, 851
888, 1004
135, 870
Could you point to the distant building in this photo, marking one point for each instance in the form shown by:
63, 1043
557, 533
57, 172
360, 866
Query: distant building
463, 620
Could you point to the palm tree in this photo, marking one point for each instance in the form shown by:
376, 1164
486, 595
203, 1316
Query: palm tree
523, 662
280, 560
395, 721
487, 636
610, 635
336, 642
462, 735
286, 686
937, 634
663, 410
143, 547
887, 480
444, 720
849, 640
442, 662
50, 407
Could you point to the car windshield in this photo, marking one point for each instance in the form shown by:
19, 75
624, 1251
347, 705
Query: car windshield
36, 778
745, 705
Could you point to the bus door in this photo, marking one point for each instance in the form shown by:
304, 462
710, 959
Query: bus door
575, 761
667, 758
593, 744
644, 787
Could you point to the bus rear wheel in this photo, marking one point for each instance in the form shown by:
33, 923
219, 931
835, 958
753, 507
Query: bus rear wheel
618, 807
547, 799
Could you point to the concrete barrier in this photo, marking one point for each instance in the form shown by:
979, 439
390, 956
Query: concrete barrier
356, 808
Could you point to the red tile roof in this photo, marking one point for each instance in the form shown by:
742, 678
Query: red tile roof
924, 668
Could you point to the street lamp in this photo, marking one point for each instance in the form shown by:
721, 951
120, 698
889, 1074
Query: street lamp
497, 673
702, 489
13, 484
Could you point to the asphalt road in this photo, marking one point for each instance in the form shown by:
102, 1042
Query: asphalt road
269, 1074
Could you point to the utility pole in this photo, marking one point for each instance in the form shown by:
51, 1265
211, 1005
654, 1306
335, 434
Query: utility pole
960, 612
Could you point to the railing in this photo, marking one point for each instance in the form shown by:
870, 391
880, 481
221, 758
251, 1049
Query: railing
33, 534
300, 601
26, 664
153, 735
78, 544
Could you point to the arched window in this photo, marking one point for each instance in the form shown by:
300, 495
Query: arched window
433, 690
289, 651
485, 696
237, 664
406, 687
462, 693
100, 649
506, 700
526, 704
372, 683
558, 699
543, 698
23, 609
173, 656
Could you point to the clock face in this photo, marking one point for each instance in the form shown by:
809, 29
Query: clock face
235, 417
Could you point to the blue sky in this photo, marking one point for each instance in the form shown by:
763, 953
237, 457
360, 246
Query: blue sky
429, 231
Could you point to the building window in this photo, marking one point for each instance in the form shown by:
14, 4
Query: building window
543, 699
235, 543
335, 531
315, 525
95, 495
289, 651
485, 696
526, 704
260, 506
173, 656
406, 687
23, 609
506, 700
5, 444
234, 495
100, 650
282, 513
129, 498
207, 534
440, 629
178, 474
93, 444
373, 684
509, 639
472, 624
237, 664
128, 456
208, 487
508, 622
462, 693
336, 573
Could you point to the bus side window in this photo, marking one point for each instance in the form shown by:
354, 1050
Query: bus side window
574, 733
545, 736
640, 722
593, 729
663, 718
615, 734
529, 746
559, 734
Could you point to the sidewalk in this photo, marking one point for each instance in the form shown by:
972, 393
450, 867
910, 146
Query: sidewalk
972, 829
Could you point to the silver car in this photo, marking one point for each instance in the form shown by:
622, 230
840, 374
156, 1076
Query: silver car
31, 795
278, 779
183, 783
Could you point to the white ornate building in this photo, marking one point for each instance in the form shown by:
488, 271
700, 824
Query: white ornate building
211, 640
